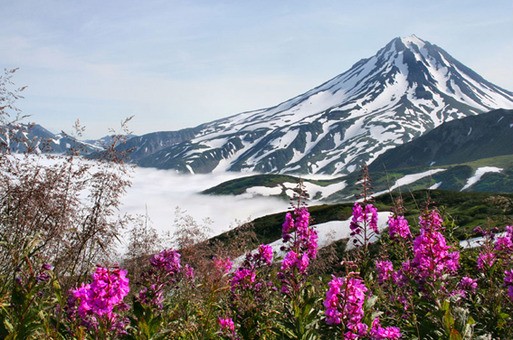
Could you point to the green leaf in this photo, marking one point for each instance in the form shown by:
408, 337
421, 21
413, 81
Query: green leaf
455, 335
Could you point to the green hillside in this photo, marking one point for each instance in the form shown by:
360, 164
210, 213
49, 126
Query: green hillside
467, 209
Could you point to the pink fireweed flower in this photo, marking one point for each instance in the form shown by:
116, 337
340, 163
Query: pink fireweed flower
266, 253
432, 258
357, 219
468, 284
363, 218
227, 328
289, 261
301, 247
153, 295
508, 282
223, 265
378, 333
189, 272
263, 256
311, 243
101, 297
431, 221
399, 277
332, 301
163, 273
303, 263
398, 227
485, 260
287, 227
293, 261
243, 278
385, 270
305, 238
344, 303
504, 244
167, 260
372, 212
227, 325
248, 275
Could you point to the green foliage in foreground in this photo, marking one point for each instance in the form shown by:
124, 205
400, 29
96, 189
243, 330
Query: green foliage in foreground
168, 302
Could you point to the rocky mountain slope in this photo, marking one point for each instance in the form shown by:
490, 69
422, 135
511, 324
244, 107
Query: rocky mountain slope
483, 136
471, 154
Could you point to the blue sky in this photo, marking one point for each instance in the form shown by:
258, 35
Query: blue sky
175, 64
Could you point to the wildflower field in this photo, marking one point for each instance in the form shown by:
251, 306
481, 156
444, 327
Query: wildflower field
412, 283
61, 279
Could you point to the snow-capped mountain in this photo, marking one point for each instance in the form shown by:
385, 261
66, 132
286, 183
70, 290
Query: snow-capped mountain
408, 88
35, 138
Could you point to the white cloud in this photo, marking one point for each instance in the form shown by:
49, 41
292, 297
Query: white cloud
161, 191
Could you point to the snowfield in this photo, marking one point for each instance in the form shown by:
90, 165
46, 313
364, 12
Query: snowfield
478, 174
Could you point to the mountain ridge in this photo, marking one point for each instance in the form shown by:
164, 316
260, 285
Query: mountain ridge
486, 135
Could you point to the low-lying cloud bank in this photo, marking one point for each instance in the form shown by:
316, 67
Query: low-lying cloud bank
159, 192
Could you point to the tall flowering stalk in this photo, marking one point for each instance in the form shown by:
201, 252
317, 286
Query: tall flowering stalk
344, 306
432, 258
96, 304
364, 224
300, 244
251, 292
165, 267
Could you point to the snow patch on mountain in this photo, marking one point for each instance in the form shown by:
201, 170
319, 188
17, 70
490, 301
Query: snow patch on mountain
409, 179
435, 186
333, 231
478, 174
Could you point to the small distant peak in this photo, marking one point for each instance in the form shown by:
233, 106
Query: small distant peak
413, 39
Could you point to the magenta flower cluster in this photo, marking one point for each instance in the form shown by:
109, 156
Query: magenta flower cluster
385, 270
300, 241
468, 284
293, 260
378, 333
227, 328
98, 301
504, 244
431, 256
245, 276
226, 325
167, 260
304, 237
223, 265
485, 260
508, 281
364, 217
398, 227
344, 304
303, 247
165, 267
